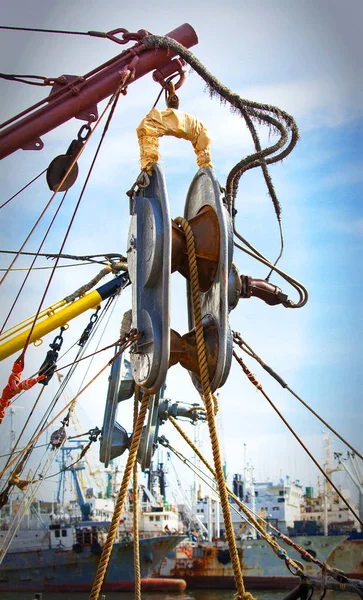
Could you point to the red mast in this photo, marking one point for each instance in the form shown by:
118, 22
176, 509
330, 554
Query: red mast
81, 97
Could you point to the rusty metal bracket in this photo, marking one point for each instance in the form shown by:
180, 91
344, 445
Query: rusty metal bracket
170, 70
149, 263
205, 191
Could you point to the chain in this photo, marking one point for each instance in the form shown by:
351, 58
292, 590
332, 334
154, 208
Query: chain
87, 331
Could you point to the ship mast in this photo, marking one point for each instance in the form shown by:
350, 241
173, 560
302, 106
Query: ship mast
327, 487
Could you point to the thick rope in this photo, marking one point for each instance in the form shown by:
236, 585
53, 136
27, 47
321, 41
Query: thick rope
107, 548
209, 404
259, 527
137, 593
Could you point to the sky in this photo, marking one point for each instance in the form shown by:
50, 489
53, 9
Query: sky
302, 56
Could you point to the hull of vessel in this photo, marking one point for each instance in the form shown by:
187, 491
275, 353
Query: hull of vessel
67, 570
207, 565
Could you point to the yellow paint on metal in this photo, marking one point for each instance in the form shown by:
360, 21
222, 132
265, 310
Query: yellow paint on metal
175, 123
27, 322
52, 322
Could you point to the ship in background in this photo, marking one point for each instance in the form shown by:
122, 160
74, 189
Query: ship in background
318, 523
58, 545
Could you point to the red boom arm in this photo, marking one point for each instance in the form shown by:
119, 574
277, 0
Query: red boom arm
81, 98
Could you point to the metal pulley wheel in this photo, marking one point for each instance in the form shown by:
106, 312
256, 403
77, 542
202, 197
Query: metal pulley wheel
149, 262
57, 170
150, 431
114, 440
149, 434
204, 192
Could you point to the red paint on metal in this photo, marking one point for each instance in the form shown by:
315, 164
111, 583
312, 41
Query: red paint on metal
227, 582
147, 585
89, 93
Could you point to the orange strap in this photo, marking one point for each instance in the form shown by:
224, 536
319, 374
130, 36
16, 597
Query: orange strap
15, 386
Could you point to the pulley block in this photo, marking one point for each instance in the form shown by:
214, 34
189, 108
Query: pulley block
150, 432
63, 163
149, 261
114, 440
160, 409
57, 170
204, 196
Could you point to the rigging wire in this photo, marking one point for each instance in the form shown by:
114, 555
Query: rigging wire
21, 450
72, 437
32, 264
112, 99
40, 80
299, 287
59, 391
23, 429
113, 103
78, 360
22, 189
93, 332
39, 30
110, 35
113, 301
254, 381
275, 118
248, 350
128, 342
80, 457
69, 86
46, 268
89, 257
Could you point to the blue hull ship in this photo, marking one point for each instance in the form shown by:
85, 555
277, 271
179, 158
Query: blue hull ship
61, 569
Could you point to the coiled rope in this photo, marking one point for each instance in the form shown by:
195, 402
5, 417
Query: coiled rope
251, 112
209, 405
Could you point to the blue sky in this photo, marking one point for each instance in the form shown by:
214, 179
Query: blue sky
303, 56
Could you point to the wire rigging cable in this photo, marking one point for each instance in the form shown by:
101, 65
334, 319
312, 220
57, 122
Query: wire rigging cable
246, 513
62, 387
111, 103
88, 257
246, 348
273, 117
128, 341
22, 189
110, 35
33, 262
254, 381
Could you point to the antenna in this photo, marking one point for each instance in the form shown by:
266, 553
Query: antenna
12, 430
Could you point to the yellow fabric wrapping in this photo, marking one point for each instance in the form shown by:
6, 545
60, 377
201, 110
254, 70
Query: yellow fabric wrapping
178, 124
